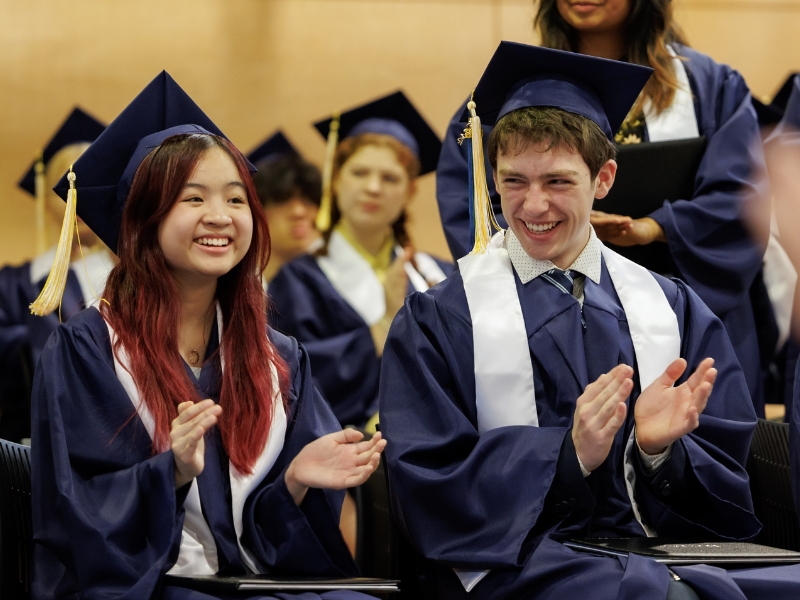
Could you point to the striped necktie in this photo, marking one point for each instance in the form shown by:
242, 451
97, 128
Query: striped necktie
563, 280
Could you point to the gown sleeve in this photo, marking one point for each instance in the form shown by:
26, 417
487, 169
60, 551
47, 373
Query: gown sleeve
703, 490
452, 186
284, 537
449, 485
705, 235
307, 307
106, 516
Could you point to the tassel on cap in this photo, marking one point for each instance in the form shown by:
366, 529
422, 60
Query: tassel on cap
41, 201
50, 298
481, 211
323, 221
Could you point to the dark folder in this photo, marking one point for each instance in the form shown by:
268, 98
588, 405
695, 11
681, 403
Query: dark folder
677, 552
648, 174
274, 584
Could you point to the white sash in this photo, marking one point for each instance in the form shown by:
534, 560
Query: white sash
504, 391
678, 121
198, 553
355, 280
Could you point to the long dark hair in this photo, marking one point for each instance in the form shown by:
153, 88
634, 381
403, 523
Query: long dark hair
648, 29
145, 307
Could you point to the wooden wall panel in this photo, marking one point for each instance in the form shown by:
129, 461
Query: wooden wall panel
255, 65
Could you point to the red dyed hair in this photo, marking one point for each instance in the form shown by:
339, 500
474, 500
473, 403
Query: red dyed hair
145, 307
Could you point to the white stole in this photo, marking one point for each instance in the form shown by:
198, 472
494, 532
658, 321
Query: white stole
198, 553
678, 121
504, 391
355, 280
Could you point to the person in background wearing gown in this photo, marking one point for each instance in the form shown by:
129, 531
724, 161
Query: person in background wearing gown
689, 95
174, 431
340, 302
289, 189
22, 334
550, 388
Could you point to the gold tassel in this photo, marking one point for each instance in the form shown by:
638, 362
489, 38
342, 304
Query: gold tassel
323, 221
41, 202
50, 298
482, 204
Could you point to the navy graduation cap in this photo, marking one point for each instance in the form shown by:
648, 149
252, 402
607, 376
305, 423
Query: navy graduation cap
273, 147
392, 115
519, 76
78, 127
104, 172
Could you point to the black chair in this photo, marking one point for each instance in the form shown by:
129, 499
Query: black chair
16, 527
771, 486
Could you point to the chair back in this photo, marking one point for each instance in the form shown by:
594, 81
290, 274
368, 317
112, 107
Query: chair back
771, 486
16, 526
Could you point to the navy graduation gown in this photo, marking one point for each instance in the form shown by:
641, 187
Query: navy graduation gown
708, 244
107, 518
21, 331
503, 500
346, 369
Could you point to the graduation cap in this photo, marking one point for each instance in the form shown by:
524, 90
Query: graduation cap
273, 147
105, 172
520, 76
78, 127
790, 123
392, 115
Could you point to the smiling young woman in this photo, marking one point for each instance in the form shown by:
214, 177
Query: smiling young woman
173, 401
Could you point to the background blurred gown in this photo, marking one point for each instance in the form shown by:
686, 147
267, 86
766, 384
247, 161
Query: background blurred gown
503, 499
307, 306
107, 518
21, 331
707, 242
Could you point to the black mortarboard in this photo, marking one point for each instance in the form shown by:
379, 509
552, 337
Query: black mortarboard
781, 99
392, 115
273, 147
78, 127
519, 76
104, 172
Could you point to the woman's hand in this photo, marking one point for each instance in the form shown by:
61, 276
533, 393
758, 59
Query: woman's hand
187, 433
334, 461
664, 413
395, 286
636, 232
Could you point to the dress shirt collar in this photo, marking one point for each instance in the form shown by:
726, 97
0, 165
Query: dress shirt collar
588, 263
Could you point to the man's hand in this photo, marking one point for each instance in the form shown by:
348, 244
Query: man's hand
599, 413
187, 433
624, 231
334, 461
664, 413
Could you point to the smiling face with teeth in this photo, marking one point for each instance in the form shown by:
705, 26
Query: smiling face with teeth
209, 230
547, 197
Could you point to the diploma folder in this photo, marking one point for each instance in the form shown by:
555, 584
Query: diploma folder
648, 174
679, 552
276, 584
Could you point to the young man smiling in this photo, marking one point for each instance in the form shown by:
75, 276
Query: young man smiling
551, 388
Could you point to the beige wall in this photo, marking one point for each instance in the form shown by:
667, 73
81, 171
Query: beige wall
256, 65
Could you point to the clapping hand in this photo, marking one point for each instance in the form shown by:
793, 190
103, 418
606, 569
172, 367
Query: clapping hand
664, 413
334, 461
187, 433
624, 231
